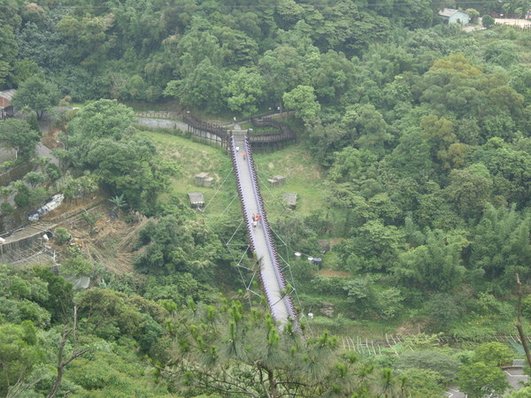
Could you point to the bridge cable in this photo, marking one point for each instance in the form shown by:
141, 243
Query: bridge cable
219, 189
235, 232
288, 266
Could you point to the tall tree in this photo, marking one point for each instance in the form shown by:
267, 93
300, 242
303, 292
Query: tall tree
20, 136
478, 380
37, 94
303, 101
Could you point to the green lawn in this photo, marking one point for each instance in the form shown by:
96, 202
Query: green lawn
193, 158
303, 176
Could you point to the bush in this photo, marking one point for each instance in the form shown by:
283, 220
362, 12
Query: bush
433, 360
53, 172
62, 236
487, 21
23, 197
6, 208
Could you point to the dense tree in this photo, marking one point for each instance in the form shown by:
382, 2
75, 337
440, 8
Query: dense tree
20, 136
367, 126
426, 157
177, 245
494, 353
8, 51
500, 244
127, 167
303, 101
201, 88
19, 353
435, 266
478, 380
231, 352
99, 119
470, 189
37, 94
245, 90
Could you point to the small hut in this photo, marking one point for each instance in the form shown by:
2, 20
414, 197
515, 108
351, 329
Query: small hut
277, 180
203, 180
197, 200
290, 198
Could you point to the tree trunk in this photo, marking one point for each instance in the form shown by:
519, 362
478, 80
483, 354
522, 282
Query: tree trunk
60, 365
56, 383
273, 389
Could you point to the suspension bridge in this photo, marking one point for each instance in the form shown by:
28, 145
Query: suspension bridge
238, 145
260, 239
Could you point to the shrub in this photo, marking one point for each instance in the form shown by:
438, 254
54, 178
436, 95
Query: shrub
62, 235
487, 21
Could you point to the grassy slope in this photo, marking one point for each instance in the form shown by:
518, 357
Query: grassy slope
302, 173
193, 158
303, 176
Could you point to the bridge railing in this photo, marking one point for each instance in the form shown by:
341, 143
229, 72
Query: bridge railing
246, 212
269, 239
281, 133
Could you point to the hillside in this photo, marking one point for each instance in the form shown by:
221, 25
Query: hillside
411, 168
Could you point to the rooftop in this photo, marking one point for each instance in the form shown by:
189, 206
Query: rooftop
448, 12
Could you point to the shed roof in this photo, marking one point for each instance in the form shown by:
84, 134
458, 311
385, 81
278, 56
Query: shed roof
290, 198
6, 97
196, 198
448, 12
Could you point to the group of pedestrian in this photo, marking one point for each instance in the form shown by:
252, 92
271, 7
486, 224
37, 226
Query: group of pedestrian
243, 152
256, 219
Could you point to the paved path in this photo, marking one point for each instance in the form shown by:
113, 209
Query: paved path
271, 275
455, 393
161, 123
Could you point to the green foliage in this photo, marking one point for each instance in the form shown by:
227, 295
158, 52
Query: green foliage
76, 265
19, 352
487, 21
18, 135
303, 101
179, 288
102, 140
262, 359
96, 120
175, 244
202, 88
60, 299
436, 361
521, 393
373, 247
436, 265
77, 188
500, 246
111, 315
495, 354
62, 235
421, 133
37, 94
244, 89
423, 383
478, 379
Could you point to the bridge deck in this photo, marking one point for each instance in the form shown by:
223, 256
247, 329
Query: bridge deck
260, 236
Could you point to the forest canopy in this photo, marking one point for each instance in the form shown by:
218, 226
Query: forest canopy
418, 130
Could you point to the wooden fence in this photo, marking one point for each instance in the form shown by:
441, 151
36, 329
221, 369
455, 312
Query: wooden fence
205, 131
279, 136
